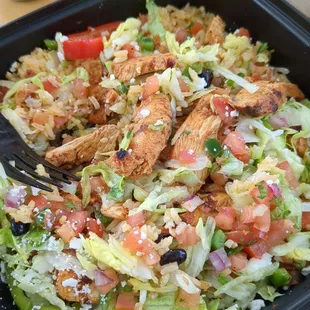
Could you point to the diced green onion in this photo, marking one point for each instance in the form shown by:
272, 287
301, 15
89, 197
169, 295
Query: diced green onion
147, 44
214, 147
241, 74
191, 24
123, 89
51, 44
280, 277
218, 240
230, 83
234, 251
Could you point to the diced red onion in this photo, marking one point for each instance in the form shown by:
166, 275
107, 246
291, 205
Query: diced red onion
278, 121
276, 190
219, 259
191, 203
101, 278
15, 196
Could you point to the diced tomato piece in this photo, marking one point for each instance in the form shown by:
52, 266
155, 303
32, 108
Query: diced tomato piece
181, 35
60, 121
137, 242
306, 220
196, 28
94, 32
223, 109
49, 87
188, 236
258, 233
136, 219
183, 86
243, 32
112, 274
82, 49
130, 49
79, 90
187, 157
257, 249
125, 301
98, 185
264, 197
238, 261
77, 220
289, 174
238, 225
40, 201
236, 143
189, 301
151, 86
66, 232
256, 76
243, 237
94, 226
225, 218
247, 215
262, 222
41, 118
279, 231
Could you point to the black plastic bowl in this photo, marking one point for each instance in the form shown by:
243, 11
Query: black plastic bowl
275, 22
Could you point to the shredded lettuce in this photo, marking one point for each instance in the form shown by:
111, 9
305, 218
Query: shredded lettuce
197, 254
251, 88
268, 292
114, 255
188, 53
113, 180
163, 301
79, 73
126, 140
159, 196
60, 38
182, 175
231, 166
146, 286
155, 25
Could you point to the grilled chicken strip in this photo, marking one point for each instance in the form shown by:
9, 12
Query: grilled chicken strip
134, 67
200, 125
267, 99
216, 31
83, 149
105, 97
76, 294
151, 130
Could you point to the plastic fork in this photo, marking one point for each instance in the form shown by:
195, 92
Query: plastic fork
14, 149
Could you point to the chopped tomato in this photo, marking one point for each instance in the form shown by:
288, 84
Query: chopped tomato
183, 86
137, 242
65, 232
243, 237
225, 218
95, 32
306, 220
40, 201
49, 87
256, 76
136, 219
181, 35
258, 233
82, 49
236, 143
112, 274
247, 215
257, 249
79, 90
289, 174
223, 109
60, 121
238, 261
187, 157
41, 118
130, 49
98, 185
279, 231
262, 194
196, 28
125, 301
188, 236
94, 226
189, 301
262, 222
243, 32
151, 86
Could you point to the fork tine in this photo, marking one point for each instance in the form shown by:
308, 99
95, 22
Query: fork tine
18, 176
22, 166
26, 160
47, 164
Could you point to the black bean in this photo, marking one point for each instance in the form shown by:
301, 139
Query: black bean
176, 255
207, 75
19, 228
162, 236
121, 154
